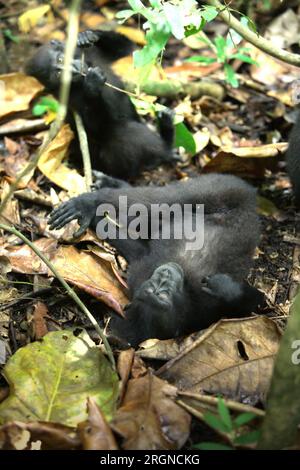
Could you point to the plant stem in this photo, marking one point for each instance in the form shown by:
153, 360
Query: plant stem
69, 290
84, 147
71, 43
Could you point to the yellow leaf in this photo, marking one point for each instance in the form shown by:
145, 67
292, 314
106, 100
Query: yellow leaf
50, 380
50, 163
16, 92
31, 17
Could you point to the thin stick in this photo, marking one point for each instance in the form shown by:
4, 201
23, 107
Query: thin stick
84, 147
233, 405
71, 43
69, 290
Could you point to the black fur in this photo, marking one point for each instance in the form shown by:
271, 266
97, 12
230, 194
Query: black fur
120, 144
293, 159
174, 291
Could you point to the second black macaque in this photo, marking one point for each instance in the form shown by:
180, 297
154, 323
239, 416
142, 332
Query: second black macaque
293, 159
121, 145
176, 288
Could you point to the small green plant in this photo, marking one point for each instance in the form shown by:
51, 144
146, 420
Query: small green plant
45, 105
230, 428
225, 50
9, 35
180, 18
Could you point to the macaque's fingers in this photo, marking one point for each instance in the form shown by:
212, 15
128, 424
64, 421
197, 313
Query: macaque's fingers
61, 212
63, 220
84, 225
87, 38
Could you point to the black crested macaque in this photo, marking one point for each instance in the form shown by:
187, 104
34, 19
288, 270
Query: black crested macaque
293, 159
175, 290
120, 144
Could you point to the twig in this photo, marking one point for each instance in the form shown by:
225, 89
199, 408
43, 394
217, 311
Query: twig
69, 290
254, 38
71, 42
84, 147
231, 404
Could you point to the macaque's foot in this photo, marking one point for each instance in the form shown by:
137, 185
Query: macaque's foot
101, 180
222, 286
87, 38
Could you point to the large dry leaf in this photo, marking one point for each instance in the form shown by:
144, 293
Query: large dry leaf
82, 269
50, 163
90, 274
16, 92
149, 419
51, 379
234, 358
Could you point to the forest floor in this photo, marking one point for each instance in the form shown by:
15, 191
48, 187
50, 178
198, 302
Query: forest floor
255, 114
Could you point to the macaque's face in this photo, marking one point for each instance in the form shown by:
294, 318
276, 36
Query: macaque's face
155, 308
48, 62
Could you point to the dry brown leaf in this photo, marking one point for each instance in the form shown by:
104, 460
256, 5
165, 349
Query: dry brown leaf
125, 361
149, 419
16, 161
11, 211
233, 358
95, 433
24, 261
91, 275
261, 151
18, 436
50, 163
16, 92
91, 20
39, 324
22, 126
165, 350
124, 68
134, 34
77, 267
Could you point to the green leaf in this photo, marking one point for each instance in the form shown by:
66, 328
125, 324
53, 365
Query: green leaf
220, 44
190, 30
8, 34
156, 38
136, 5
51, 379
231, 76
175, 20
244, 418
246, 21
250, 438
45, 104
212, 446
201, 58
155, 3
215, 422
39, 110
225, 414
123, 15
184, 138
209, 13
243, 58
